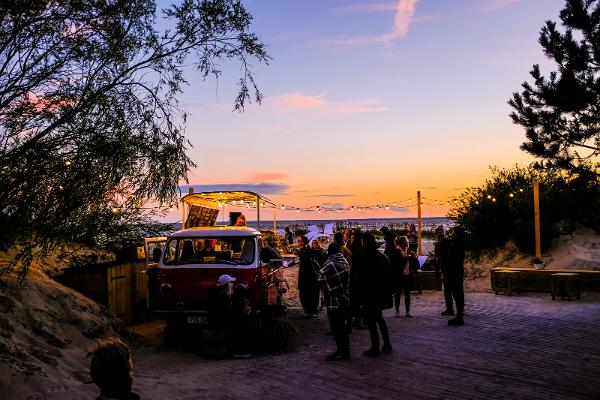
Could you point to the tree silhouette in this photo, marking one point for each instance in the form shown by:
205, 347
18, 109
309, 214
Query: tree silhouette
561, 113
90, 125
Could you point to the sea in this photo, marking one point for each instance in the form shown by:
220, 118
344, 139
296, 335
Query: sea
365, 224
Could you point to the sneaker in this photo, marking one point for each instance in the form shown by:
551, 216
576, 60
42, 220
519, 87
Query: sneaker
458, 321
398, 314
242, 355
374, 352
408, 315
447, 313
362, 327
386, 349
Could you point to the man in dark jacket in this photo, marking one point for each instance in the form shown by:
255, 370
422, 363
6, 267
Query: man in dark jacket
455, 272
334, 278
376, 294
308, 286
442, 258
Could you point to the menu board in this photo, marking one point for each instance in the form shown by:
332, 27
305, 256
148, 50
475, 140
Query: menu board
201, 216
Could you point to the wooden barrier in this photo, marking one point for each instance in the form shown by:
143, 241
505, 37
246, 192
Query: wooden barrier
531, 280
120, 287
429, 281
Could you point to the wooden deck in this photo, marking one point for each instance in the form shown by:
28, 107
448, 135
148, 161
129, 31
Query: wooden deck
518, 347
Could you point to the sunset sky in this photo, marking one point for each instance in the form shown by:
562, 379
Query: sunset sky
368, 102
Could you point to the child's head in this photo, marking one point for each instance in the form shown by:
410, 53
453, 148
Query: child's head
111, 367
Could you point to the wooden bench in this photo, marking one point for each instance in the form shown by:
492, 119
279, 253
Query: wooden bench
531, 280
507, 281
565, 284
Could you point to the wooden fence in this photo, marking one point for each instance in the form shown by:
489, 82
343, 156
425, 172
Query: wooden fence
120, 287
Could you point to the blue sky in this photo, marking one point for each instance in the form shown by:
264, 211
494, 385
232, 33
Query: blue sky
367, 102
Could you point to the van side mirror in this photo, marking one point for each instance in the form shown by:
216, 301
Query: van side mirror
265, 254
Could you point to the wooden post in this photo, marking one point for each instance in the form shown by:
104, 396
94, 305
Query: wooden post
258, 211
275, 220
420, 222
536, 207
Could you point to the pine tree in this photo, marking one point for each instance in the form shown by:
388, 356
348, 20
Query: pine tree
561, 112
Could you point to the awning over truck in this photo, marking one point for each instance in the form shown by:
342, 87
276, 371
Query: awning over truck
216, 199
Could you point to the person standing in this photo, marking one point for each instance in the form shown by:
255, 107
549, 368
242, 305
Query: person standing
442, 257
376, 294
455, 273
318, 254
334, 278
413, 239
389, 241
356, 248
289, 236
308, 286
338, 238
402, 275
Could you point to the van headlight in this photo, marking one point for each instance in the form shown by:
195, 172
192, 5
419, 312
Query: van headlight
166, 290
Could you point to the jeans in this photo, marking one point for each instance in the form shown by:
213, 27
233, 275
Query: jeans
337, 320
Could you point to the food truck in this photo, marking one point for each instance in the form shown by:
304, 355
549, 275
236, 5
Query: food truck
183, 268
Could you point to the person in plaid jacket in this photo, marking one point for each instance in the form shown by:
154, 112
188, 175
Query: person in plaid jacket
334, 280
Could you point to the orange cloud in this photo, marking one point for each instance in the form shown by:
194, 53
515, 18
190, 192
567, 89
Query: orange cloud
265, 176
319, 103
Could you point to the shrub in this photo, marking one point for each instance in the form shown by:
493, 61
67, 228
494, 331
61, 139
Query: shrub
502, 208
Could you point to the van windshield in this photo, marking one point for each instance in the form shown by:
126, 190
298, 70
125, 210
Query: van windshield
210, 250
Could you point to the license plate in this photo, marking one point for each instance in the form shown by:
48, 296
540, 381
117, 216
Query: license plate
197, 319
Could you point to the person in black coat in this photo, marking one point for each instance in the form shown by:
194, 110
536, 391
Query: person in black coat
376, 294
454, 276
308, 285
442, 259
389, 238
356, 248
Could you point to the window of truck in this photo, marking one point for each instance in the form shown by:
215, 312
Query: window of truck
211, 250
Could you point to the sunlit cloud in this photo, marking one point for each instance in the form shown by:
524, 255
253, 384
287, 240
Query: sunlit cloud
495, 5
319, 103
265, 176
405, 11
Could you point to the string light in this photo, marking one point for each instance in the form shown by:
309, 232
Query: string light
68, 163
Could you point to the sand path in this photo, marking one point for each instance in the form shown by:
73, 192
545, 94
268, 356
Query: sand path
519, 346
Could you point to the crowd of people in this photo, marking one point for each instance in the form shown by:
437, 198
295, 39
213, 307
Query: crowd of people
351, 279
355, 282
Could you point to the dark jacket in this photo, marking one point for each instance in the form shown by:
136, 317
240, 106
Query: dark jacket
455, 266
319, 256
442, 255
390, 246
307, 271
375, 280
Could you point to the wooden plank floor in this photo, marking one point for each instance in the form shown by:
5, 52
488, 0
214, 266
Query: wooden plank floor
519, 347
